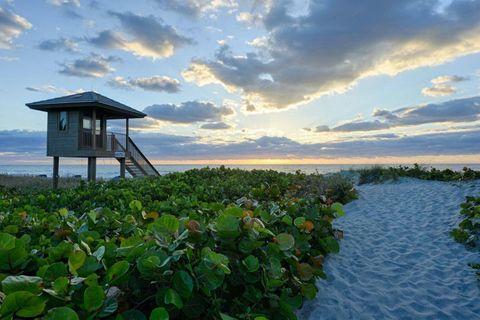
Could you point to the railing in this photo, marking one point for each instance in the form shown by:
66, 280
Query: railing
119, 143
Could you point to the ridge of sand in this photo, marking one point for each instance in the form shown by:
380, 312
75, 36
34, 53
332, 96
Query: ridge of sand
397, 260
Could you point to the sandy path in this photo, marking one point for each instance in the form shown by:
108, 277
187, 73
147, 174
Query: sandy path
397, 260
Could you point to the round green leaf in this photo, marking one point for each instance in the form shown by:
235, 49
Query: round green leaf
159, 314
21, 283
305, 271
330, 244
298, 222
183, 283
23, 304
227, 226
117, 270
76, 259
172, 297
251, 263
93, 298
285, 241
7, 241
61, 313
309, 291
166, 225
338, 207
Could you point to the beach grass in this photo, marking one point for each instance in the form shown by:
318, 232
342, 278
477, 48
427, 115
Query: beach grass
29, 183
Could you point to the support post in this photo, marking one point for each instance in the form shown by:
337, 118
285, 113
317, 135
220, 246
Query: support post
126, 135
92, 168
56, 162
94, 129
122, 168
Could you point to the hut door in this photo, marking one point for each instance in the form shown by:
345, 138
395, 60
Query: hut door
86, 130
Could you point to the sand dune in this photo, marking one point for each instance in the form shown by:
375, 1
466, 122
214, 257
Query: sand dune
397, 260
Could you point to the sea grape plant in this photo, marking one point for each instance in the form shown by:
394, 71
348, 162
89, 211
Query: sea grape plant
204, 244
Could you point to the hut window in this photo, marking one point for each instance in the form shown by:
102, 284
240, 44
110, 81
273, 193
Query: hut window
63, 121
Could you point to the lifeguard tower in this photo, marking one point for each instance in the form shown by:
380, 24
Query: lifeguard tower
77, 127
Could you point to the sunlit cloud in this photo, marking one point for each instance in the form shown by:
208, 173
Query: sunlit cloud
320, 52
443, 86
154, 83
93, 66
11, 26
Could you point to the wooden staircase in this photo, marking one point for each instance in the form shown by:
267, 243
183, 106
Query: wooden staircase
136, 163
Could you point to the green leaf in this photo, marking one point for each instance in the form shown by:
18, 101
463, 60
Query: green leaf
60, 285
309, 291
224, 316
338, 207
93, 298
22, 283
330, 244
117, 270
166, 225
7, 241
251, 263
227, 226
172, 297
285, 241
61, 313
234, 211
93, 216
298, 222
23, 304
135, 205
75, 260
305, 271
99, 253
183, 283
159, 314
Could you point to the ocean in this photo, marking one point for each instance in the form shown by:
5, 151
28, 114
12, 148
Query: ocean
108, 171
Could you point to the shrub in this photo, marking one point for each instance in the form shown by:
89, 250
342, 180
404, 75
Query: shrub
468, 231
204, 244
378, 174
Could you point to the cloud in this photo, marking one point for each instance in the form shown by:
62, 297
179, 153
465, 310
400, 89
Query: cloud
153, 83
65, 3
61, 44
8, 59
148, 36
93, 66
249, 19
459, 110
11, 27
196, 7
338, 42
171, 147
188, 112
321, 128
216, 126
53, 89
443, 86
439, 90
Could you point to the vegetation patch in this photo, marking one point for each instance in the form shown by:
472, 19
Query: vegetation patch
379, 174
204, 244
468, 231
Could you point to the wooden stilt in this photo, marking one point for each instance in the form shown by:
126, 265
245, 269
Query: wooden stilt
56, 162
122, 168
92, 168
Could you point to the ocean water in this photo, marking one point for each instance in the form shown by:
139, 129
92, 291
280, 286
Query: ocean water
108, 171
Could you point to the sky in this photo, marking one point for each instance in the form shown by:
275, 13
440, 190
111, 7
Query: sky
252, 81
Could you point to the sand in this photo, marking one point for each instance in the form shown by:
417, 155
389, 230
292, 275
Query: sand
397, 260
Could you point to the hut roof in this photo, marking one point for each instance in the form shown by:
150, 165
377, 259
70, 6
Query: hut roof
88, 100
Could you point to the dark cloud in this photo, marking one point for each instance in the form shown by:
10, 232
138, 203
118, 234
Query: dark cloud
148, 36
171, 147
11, 27
195, 7
338, 42
153, 83
216, 126
459, 110
188, 112
64, 44
93, 66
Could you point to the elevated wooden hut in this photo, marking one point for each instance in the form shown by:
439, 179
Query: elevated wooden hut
77, 127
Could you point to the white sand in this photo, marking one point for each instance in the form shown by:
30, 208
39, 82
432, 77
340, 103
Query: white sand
397, 260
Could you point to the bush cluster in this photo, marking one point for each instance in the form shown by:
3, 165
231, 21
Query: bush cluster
378, 174
468, 231
204, 244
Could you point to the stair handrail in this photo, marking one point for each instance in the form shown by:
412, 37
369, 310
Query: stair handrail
133, 150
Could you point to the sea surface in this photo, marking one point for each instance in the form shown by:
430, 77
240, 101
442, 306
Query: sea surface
108, 171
